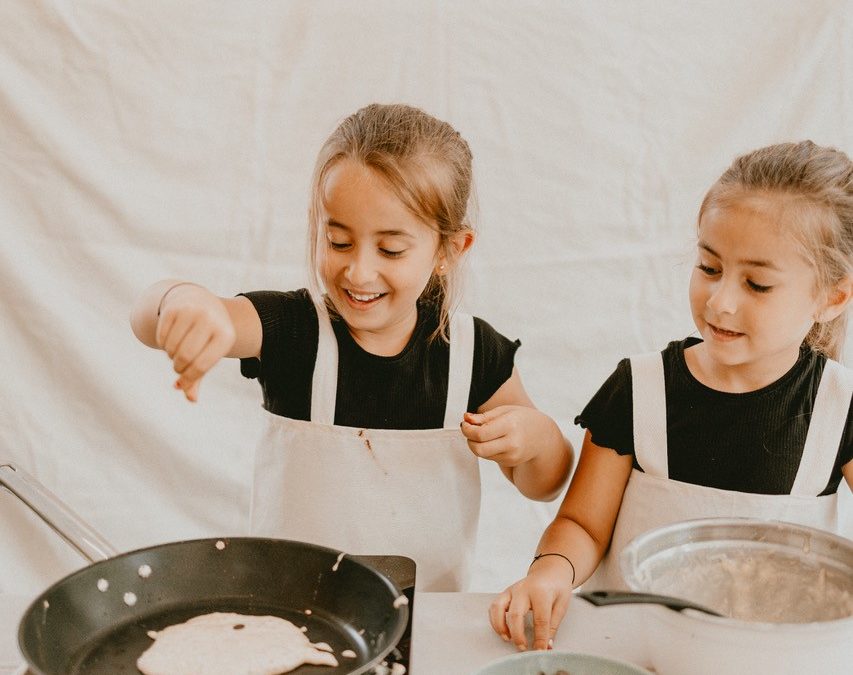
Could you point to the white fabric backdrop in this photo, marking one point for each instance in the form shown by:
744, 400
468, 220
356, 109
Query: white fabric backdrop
142, 140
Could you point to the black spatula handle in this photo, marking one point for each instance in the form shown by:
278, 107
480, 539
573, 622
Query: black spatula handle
602, 598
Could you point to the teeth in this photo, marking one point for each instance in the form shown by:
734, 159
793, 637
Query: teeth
364, 298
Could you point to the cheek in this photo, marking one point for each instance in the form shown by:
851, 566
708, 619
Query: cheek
326, 265
696, 291
421, 270
417, 280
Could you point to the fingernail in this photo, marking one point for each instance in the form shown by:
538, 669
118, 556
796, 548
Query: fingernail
551, 644
505, 638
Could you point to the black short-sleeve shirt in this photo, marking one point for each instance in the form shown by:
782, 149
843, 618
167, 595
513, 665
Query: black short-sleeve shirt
406, 391
749, 442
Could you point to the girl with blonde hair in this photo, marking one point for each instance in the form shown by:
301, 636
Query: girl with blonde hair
381, 396
752, 419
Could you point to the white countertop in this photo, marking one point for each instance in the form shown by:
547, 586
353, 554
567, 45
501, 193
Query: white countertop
451, 634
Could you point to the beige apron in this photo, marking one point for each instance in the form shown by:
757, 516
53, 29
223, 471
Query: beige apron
652, 500
375, 491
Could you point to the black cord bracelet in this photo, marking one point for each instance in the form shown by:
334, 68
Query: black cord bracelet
169, 290
571, 564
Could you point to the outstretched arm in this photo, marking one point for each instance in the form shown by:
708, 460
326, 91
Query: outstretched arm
195, 328
527, 444
579, 535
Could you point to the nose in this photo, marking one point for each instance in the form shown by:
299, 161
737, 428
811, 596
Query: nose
361, 269
723, 298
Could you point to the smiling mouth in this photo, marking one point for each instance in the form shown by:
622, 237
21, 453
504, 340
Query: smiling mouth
723, 333
363, 298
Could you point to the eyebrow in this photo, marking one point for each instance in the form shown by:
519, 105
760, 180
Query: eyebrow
750, 263
384, 233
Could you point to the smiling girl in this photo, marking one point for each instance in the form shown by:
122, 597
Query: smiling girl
381, 396
752, 419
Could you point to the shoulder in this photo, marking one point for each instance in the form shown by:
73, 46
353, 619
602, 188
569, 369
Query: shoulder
490, 339
494, 353
841, 374
608, 415
280, 301
619, 382
288, 320
493, 362
671, 357
282, 309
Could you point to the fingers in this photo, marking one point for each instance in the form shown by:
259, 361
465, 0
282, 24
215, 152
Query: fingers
498, 450
497, 615
483, 427
195, 369
194, 350
542, 605
189, 349
171, 330
192, 362
508, 613
516, 613
558, 613
190, 390
495, 439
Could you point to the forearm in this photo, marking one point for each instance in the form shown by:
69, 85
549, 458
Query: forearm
544, 475
568, 538
143, 315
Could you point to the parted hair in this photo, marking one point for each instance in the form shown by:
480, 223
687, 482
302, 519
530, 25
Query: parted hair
426, 163
812, 187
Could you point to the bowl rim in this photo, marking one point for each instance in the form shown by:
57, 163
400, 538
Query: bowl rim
551, 653
628, 555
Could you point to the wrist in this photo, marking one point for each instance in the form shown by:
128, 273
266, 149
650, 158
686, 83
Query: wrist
169, 290
556, 555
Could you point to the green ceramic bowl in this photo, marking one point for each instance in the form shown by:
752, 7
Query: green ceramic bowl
551, 662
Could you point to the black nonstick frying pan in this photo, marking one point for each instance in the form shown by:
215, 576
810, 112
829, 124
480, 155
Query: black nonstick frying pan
96, 620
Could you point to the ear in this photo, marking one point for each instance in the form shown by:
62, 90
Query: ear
836, 301
459, 244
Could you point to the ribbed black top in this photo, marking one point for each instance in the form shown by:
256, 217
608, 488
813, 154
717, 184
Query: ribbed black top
750, 442
405, 391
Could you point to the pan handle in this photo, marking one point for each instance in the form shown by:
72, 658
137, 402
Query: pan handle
58, 516
603, 598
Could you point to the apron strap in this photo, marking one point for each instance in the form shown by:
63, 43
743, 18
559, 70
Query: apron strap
461, 366
828, 421
648, 393
324, 383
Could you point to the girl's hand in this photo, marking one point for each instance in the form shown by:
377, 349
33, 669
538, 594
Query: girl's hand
546, 590
195, 330
502, 433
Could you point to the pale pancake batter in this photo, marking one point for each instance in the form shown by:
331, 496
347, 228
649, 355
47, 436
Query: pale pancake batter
754, 583
224, 643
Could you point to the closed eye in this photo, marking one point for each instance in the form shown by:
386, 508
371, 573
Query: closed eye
758, 288
705, 269
339, 246
391, 254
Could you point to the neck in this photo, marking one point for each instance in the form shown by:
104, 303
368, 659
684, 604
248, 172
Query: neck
738, 378
389, 340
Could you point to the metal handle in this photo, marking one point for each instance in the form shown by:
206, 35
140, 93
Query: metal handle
58, 515
601, 598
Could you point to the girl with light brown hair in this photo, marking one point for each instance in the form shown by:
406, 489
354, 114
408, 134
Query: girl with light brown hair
750, 420
381, 396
